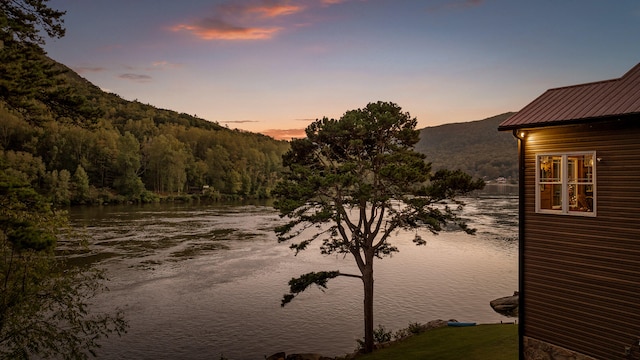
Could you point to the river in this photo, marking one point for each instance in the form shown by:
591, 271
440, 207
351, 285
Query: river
205, 281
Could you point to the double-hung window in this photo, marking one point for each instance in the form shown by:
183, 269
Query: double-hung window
566, 183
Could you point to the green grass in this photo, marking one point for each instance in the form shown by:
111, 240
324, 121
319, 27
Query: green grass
483, 342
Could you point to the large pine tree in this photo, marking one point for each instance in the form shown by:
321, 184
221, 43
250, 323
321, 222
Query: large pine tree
352, 183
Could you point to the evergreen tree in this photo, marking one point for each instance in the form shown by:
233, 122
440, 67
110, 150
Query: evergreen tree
353, 183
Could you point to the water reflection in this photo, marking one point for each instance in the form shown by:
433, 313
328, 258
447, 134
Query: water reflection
199, 281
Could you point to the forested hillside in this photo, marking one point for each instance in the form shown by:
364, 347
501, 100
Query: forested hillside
83, 145
475, 147
71, 140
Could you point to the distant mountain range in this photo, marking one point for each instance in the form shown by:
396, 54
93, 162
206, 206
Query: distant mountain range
476, 147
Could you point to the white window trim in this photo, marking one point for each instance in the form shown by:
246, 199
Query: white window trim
564, 181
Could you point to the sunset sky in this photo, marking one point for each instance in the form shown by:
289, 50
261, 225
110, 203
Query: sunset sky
273, 66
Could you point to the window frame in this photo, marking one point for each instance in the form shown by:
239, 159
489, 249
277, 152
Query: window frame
564, 184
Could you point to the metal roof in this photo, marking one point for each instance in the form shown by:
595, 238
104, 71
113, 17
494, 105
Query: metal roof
579, 103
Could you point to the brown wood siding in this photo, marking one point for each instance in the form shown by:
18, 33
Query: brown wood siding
581, 281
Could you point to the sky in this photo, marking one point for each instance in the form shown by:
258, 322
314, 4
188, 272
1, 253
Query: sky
274, 66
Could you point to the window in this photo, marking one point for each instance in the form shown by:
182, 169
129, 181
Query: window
565, 183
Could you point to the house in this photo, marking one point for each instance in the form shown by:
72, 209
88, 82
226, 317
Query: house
579, 158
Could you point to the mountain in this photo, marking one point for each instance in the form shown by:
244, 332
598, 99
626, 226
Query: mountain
476, 147
78, 144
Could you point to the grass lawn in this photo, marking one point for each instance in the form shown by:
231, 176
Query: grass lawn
482, 342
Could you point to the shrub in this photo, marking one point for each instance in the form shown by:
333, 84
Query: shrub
380, 336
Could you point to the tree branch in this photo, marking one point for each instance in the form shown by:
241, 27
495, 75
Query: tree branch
379, 225
300, 284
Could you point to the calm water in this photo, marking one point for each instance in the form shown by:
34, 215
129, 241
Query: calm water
198, 282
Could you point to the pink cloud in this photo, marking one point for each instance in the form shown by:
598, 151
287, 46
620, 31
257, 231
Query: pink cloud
213, 29
261, 8
241, 21
275, 10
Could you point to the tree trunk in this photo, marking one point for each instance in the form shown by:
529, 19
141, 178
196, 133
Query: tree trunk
367, 279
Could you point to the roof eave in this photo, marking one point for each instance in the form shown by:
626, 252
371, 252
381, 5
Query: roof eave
552, 123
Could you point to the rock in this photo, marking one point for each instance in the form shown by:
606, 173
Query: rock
507, 305
434, 324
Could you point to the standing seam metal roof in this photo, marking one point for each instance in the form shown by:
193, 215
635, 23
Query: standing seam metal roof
568, 104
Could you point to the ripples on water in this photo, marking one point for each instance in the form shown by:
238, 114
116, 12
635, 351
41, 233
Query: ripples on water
197, 282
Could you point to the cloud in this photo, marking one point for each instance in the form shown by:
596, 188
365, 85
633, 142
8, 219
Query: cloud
285, 134
141, 78
332, 2
215, 29
252, 20
259, 8
275, 10
455, 5
154, 66
239, 121
88, 69
164, 65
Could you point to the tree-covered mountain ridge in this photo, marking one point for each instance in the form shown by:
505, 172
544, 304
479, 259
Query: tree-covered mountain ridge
70, 139
476, 147
81, 144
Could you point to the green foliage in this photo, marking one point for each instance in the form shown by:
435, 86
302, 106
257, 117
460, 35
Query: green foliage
44, 308
22, 21
364, 164
300, 284
80, 182
447, 184
380, 336
415, 328
30, 83
130, 147
60, 183
354, 182
15, 133
24, 236
23, 166
34, 86
411, 330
